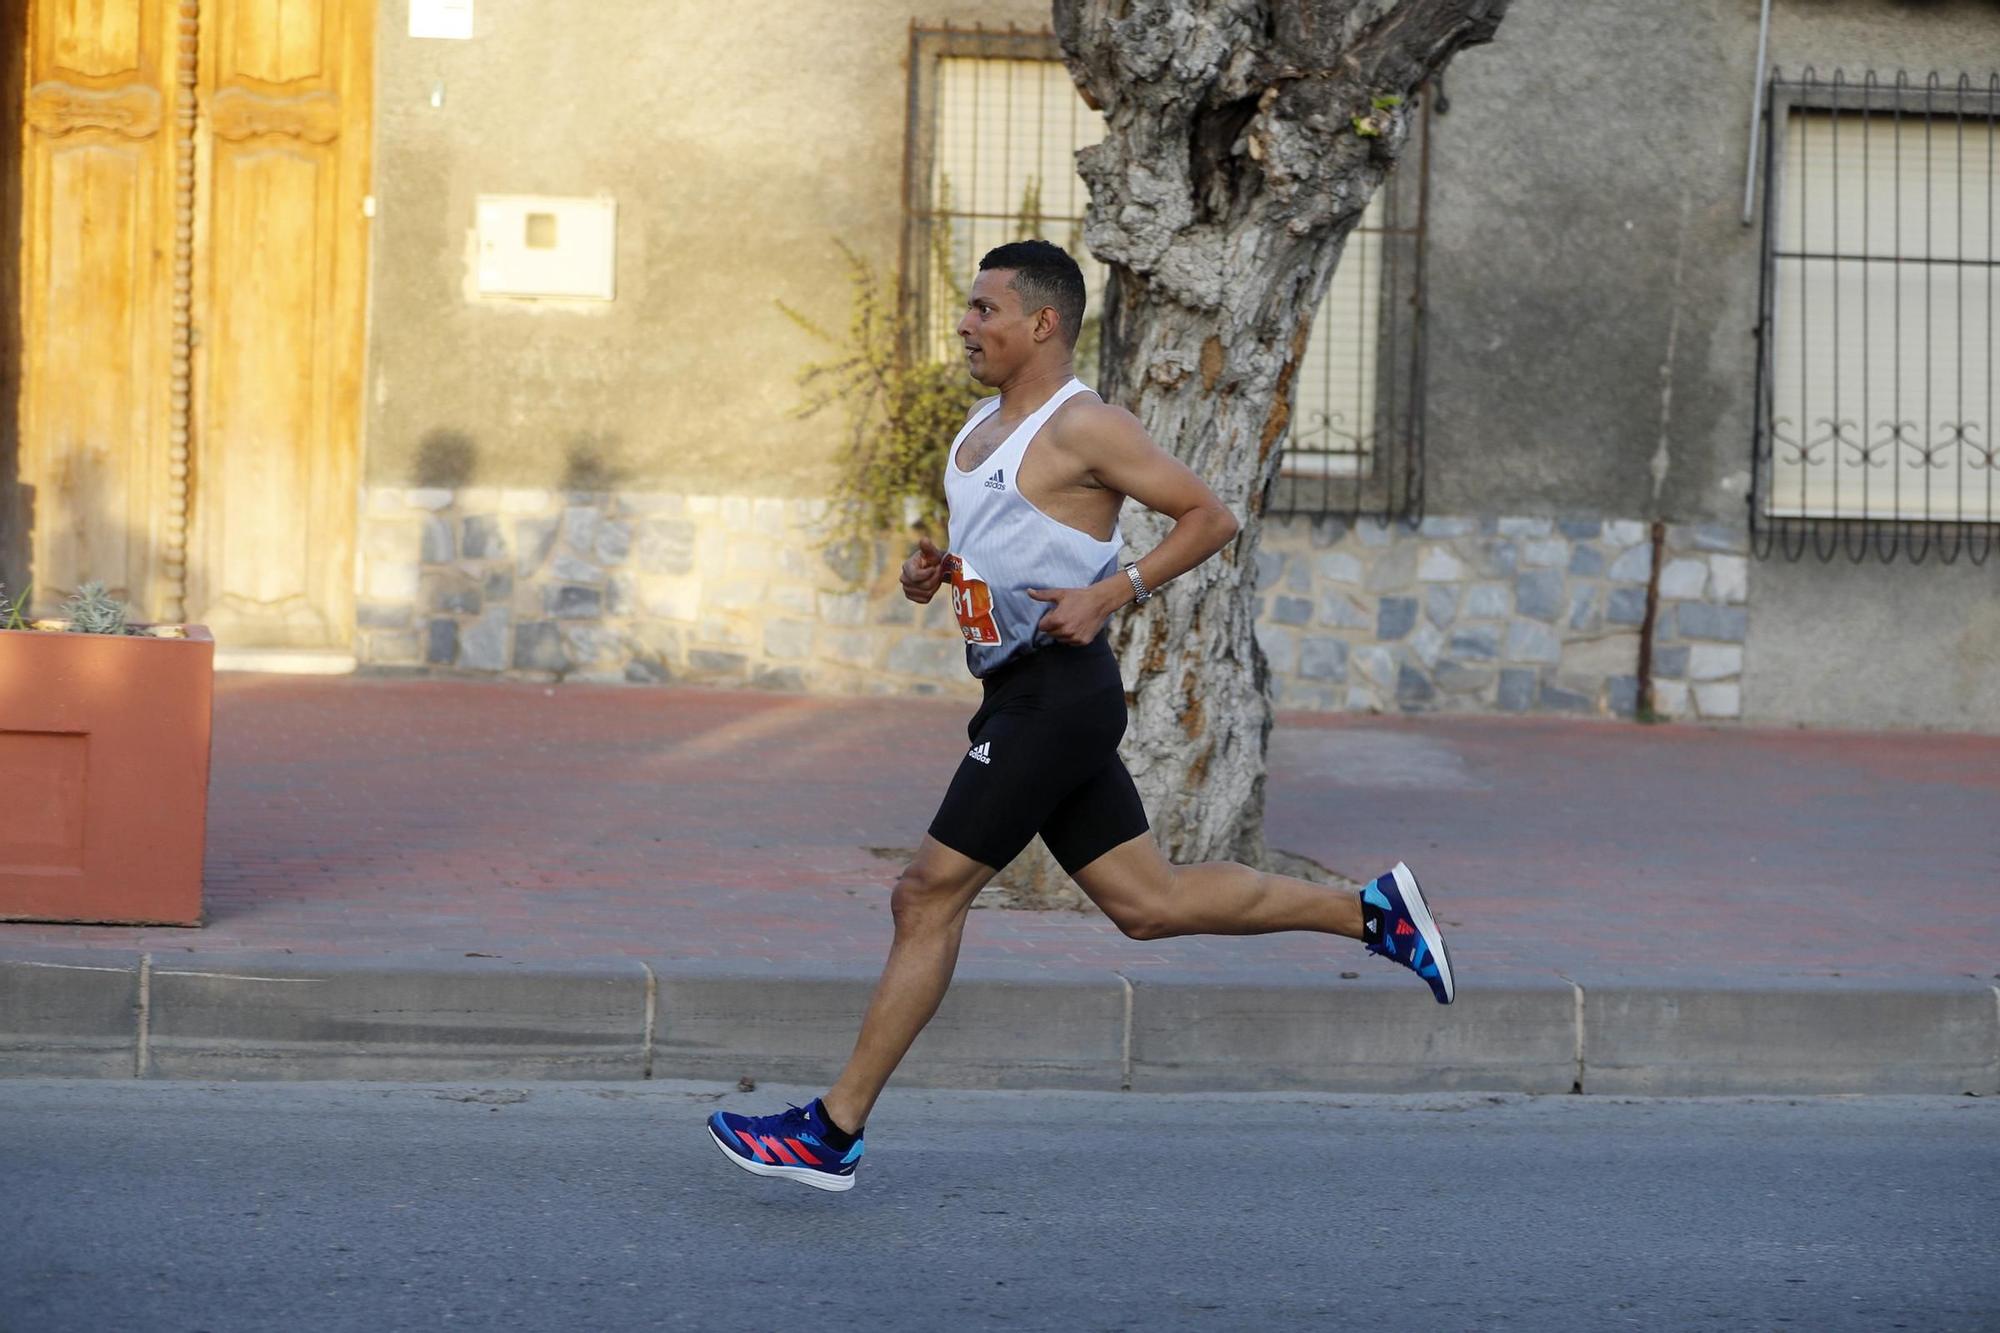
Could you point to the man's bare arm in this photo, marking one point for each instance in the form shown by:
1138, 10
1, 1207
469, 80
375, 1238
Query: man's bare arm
1119, 455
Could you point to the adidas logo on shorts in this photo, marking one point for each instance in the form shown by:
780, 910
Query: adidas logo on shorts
982, 752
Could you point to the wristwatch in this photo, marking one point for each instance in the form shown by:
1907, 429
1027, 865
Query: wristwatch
1140, 592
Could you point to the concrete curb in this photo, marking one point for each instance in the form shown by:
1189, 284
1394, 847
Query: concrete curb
237, 1016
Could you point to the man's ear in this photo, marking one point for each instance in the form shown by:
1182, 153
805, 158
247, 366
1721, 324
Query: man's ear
1047, 323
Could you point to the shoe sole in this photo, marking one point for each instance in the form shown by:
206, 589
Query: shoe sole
1413, 898
805, 1175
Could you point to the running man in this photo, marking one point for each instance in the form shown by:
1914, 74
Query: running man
1035, 481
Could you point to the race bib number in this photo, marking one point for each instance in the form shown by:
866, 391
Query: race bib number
971, 602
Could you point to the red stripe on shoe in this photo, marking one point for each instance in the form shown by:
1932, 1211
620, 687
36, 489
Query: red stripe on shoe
779, 1149
800, 1149
749, 1141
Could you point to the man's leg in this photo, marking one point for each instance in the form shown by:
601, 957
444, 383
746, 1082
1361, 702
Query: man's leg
1150, 898
929, 905
1100, 835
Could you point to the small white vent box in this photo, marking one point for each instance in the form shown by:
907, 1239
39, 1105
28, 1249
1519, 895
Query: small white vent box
538, 245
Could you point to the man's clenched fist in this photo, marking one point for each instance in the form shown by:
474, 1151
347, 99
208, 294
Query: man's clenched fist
923, 571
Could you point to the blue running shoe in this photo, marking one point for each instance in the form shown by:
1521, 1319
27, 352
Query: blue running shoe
788, 1145
1396, 924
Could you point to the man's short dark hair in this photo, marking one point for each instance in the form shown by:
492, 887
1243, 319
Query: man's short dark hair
1044, 275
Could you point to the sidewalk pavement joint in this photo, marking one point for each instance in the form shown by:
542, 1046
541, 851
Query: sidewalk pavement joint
652, 1014
1125, 1043
142, 1038
1579, 1032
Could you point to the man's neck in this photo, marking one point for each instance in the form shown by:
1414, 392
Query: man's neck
1031, 388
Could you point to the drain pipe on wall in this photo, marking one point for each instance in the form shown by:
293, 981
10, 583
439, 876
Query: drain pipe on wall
1756, 110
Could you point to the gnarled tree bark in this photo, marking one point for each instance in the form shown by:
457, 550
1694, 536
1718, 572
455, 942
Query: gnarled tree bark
1243, 140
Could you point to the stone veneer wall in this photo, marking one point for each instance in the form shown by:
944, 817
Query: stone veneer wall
1501, 614
609, 586
1463, 614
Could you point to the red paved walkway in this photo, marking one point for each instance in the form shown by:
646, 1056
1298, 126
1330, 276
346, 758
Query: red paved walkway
365, 816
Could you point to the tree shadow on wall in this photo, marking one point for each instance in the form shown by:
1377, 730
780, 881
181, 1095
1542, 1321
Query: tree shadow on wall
591, 463
446, 459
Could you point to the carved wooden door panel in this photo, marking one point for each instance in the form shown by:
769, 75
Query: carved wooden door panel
98, 197
280, 283
192, 295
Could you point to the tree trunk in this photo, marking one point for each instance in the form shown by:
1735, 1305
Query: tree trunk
1243, 140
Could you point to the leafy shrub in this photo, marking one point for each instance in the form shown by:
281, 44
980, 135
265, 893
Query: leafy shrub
903, 408
902, 411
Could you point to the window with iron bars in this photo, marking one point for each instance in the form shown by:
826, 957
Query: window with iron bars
1875, 388
994, 124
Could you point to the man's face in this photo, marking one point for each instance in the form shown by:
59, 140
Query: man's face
997, 334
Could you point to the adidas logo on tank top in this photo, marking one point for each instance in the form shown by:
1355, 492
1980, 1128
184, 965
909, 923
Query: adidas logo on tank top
1000, 545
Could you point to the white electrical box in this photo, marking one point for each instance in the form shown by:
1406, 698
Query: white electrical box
536, 245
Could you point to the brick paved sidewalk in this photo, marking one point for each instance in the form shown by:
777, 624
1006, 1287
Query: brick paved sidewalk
370, 817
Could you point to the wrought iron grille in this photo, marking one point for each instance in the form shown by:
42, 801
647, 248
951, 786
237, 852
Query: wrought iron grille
1875, 390
994, 126
1356, 446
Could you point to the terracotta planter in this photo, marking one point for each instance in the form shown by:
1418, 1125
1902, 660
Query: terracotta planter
104, 776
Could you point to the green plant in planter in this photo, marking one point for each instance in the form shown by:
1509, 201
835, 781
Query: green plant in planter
91, 609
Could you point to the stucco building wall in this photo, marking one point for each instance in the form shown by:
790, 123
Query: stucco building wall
740, 143
619, 490
1594, 293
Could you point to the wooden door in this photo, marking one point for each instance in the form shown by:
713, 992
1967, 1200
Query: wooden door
280, 280
98, 200
193, 284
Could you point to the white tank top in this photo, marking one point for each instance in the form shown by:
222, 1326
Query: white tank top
1001, 545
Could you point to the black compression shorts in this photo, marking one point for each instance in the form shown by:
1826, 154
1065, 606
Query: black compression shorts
1044, 759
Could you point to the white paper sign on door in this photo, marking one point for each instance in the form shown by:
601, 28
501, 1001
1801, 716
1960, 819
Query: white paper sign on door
441, 18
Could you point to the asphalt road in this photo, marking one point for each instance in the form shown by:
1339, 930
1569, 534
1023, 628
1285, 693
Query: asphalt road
188, 1206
